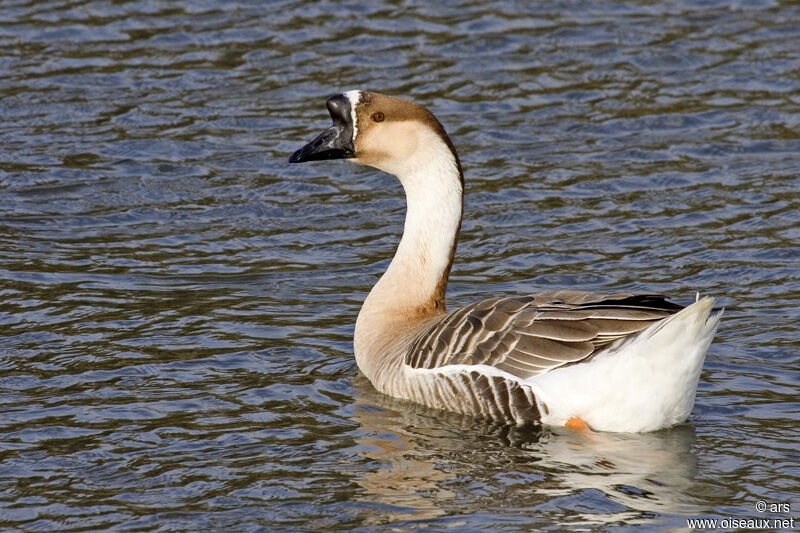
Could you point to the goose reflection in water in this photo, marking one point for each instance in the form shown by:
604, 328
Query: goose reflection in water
427, 460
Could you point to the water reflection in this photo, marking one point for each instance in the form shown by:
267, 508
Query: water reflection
422, 457
646, 473
407, 486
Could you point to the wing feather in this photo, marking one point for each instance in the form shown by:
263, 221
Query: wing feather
560, 352
571, 331
529, 335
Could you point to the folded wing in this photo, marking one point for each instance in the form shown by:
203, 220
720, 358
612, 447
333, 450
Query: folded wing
529, 335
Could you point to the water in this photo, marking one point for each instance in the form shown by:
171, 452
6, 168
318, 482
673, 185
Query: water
178, 302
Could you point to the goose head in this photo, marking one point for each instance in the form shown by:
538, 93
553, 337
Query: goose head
391, 134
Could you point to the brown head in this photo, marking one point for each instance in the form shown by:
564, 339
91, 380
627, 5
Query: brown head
381, 131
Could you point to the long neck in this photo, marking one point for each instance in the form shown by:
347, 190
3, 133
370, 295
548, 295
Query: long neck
413, 288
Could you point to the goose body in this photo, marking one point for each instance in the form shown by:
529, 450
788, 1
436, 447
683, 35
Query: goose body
618, 362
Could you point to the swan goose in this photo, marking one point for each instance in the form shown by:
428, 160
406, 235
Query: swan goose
624, 362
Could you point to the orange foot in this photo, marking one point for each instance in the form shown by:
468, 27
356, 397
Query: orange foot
578, 426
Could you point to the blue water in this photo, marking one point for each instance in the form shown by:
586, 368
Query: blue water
178, 302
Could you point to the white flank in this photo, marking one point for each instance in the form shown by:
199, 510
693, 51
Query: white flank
354, 97
646, 384
452, 370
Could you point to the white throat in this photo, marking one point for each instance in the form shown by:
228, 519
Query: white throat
412, 289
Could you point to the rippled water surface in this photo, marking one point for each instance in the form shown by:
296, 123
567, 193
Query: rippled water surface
178, 302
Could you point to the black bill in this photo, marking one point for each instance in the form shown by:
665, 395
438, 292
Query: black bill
335, 142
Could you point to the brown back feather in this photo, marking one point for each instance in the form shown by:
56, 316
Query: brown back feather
529, 335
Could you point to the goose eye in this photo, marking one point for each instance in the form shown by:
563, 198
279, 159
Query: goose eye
377, 117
